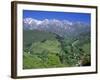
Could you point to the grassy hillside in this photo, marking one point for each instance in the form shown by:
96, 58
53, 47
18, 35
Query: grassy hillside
43, 54
32, 36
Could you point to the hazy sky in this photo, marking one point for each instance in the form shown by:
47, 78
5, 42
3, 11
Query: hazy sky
41, 15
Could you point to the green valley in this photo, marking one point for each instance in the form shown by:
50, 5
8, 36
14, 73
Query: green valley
44, 49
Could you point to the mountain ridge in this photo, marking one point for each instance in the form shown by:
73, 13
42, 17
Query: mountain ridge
63, 28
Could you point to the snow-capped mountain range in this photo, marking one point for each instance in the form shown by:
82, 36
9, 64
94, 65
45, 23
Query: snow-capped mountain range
60, 27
